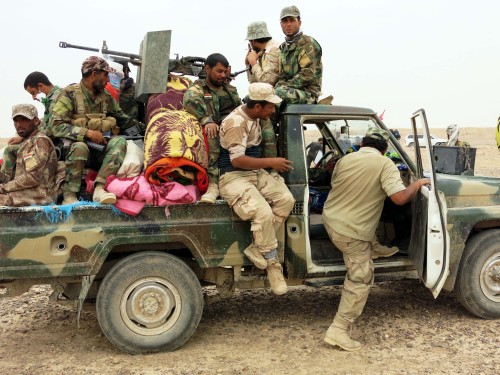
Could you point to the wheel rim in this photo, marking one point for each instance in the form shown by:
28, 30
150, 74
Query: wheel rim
490, 278
150, 306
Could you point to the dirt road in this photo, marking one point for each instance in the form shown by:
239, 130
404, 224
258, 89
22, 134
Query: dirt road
404, 331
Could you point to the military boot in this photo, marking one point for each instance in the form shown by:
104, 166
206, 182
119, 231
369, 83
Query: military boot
69, 198
102, 196
212, 193
339, 334
275, 277
381, 251
252, 252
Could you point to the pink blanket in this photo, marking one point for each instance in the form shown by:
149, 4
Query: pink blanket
134, 193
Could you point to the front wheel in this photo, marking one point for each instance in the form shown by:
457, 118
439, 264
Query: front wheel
149, 302
478, 280
411, 145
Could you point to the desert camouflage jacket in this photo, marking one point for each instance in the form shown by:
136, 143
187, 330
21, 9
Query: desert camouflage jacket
204, 103
66, 108
300, 65
34, 177
267, 67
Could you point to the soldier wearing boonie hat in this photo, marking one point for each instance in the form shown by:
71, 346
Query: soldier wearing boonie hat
361, 182
28, 172
262, 62
243, 174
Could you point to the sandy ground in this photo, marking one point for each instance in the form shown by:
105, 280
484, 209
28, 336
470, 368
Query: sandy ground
403, 329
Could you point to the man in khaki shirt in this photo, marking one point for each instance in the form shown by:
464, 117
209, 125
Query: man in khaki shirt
263, 54
252, 192
360, 183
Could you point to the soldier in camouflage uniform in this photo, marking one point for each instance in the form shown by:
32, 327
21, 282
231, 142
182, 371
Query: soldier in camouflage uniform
252, 192
210, 100
86, 112
32, 180
35, 83
300, 70
263, 61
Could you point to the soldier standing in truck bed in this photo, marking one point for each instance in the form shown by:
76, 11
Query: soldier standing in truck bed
85, 112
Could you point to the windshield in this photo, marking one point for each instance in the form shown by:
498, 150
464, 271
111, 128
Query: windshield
350, 132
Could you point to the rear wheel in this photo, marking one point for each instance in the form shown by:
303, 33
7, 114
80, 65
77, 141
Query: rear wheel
149, 302
478, 280
411, 145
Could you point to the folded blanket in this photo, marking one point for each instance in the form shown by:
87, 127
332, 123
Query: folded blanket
133, 193
174, 142
171, 99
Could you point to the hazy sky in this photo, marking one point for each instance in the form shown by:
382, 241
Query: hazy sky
397, 56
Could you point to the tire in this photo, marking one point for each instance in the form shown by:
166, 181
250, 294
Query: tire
478, 280
411, 145
149, 302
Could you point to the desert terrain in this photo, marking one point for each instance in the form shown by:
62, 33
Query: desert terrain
404, 330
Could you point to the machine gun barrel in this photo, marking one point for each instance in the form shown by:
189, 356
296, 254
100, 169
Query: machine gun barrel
67, 45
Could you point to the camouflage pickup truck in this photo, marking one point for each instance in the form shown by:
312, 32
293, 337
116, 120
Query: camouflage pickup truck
147, 273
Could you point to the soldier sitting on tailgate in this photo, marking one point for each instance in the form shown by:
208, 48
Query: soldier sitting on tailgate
83, 115
32, 177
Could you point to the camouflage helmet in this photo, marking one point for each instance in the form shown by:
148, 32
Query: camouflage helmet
26, 110
257, 30
377, 133
92, 63
291, 11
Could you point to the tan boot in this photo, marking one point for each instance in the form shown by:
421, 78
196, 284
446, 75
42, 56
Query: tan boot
69, 198
338, 334
102, 196
381, 251
252, 252
275, 277
212, 193
326, 100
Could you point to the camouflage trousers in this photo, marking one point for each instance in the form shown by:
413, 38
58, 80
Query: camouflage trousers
9, 162
107, 162
294, 96
261, 197
360, 274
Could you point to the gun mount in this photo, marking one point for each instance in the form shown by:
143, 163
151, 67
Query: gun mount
153, 62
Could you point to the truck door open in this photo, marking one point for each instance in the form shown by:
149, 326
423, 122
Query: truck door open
429, 246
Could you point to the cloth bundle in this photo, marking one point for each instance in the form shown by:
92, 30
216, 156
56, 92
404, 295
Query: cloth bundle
175, 150
133, 193
171, 99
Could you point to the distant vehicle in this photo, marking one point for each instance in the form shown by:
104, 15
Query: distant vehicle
435, 141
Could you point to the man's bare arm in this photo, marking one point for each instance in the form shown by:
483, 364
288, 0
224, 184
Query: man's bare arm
405, 196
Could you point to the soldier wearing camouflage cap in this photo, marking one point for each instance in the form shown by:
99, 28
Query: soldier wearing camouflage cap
82, 115
32, 178
253, 192
361, 181
301, 69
